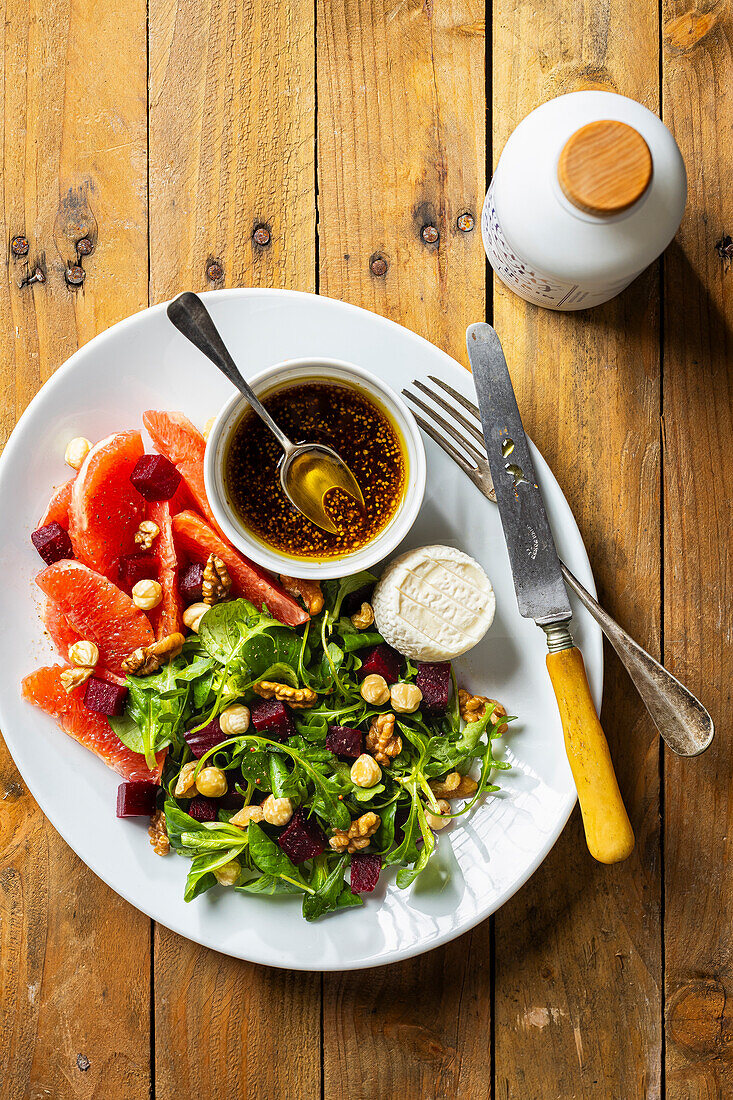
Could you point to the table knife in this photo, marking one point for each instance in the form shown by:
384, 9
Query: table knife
542, 596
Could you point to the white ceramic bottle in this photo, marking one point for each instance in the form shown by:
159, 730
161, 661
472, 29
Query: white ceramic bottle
579, 205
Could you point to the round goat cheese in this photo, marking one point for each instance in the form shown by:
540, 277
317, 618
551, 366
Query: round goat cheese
434, 603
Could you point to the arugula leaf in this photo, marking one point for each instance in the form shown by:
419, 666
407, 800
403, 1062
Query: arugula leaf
331, 894
407, 875
268, 884
284, 783
237, 631
269, 857
201, 874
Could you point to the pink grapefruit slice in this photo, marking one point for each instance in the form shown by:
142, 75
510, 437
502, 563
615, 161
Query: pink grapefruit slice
183, 444
197, 540
167, 616
97, 610
58, 506
105, 508
44, 689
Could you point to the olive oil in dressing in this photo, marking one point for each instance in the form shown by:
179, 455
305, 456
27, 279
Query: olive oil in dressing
341, 417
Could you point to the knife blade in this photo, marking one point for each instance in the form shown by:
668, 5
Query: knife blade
541, 596
541, 592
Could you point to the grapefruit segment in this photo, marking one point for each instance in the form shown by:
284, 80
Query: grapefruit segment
167, 617
58, 506
197, 539
105, 508
183, 444
98, 610
64, 636
44, 689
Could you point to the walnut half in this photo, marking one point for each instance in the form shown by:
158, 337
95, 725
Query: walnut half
216, 584
309, 592
473, 707
149, 658
299, 698
158, 834
381, 740
358, 835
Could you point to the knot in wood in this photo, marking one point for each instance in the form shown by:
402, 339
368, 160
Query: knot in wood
697, 1018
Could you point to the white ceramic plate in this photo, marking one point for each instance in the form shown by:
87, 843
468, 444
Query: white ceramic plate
144, 363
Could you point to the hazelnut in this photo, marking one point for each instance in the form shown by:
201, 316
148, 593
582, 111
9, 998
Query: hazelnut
436, 822
212, 783
405, 698
374, 690
243, 817
146, 595
228, 874
193, 615
277, 811
83, 654
76, 451
365, 771
234, 720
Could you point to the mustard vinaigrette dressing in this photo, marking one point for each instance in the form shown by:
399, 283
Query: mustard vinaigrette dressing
341, 417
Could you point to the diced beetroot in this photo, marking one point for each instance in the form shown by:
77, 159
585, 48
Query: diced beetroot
433, 679
382, 661
271, 717
302, 838
52, 543
136, 799
155, 477
190, 581
137, 567
232, 800
365, 870
345, 741
202, 809
105, 698
204, 739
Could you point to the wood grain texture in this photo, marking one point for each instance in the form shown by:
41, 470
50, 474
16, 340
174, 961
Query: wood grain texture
232, 146
578, 951
232, 132
401, 146
74, 958
698, 590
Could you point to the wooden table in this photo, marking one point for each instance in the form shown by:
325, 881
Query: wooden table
166, 132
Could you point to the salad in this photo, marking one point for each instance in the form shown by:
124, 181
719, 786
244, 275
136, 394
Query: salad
276, 740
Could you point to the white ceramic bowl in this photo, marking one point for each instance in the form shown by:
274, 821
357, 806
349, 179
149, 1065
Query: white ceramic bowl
316, 370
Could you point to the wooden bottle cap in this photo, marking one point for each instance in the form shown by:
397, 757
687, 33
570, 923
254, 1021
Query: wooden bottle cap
605, 167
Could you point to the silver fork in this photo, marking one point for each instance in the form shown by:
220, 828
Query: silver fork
681, 719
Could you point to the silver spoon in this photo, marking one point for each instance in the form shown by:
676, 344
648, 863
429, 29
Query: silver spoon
308, 470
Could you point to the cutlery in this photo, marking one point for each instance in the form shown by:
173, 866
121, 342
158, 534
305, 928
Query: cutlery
308, 471
681, 719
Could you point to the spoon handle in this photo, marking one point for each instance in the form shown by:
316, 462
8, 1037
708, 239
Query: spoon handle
191, 317
680, 718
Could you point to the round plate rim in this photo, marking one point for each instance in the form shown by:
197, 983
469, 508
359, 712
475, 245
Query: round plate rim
594, 640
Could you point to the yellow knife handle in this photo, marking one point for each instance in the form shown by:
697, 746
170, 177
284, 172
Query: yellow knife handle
607, 827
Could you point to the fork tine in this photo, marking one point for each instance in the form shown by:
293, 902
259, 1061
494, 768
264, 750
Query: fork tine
477, 434
467, 405
449, 449
447, 428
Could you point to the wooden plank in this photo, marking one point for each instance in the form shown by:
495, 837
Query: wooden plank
698, 573
238, 80
401, 146
74, 958
401, 123
578, 952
